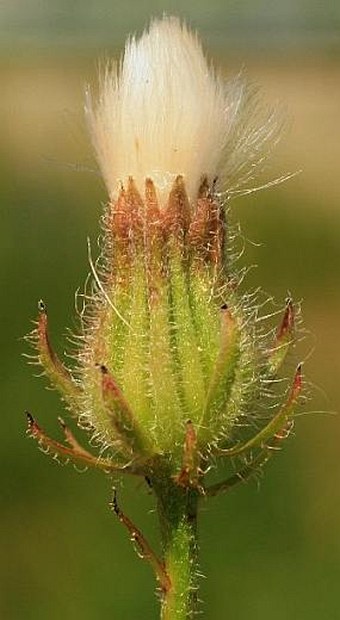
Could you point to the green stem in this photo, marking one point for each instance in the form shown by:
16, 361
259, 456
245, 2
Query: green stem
177, 509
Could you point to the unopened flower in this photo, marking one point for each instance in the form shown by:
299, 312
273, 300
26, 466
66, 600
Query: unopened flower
172, 360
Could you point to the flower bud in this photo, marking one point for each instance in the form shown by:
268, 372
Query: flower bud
171, 354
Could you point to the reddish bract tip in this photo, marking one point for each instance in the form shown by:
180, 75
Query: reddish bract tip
288, 320
297, 383
109, 385
30, 420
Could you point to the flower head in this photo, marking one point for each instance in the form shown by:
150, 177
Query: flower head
169, 348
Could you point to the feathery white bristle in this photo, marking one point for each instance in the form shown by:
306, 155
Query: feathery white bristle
164, 111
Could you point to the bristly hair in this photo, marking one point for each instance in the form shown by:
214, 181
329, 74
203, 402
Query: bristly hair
164, 111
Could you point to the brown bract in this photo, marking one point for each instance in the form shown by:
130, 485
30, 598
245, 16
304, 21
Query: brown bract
138, 223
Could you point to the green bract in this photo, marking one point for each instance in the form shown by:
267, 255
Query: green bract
167, 340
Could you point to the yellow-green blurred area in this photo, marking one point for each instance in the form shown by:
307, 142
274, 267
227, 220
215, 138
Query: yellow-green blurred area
269, 551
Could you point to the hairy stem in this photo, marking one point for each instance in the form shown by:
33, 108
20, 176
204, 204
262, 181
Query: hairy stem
177, 510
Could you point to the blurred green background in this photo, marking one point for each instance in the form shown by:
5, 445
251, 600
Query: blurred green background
270, 551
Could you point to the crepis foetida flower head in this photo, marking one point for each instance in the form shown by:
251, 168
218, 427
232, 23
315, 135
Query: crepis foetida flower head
174, 371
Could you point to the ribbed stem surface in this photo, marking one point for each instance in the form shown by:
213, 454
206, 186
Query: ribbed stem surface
177, 509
